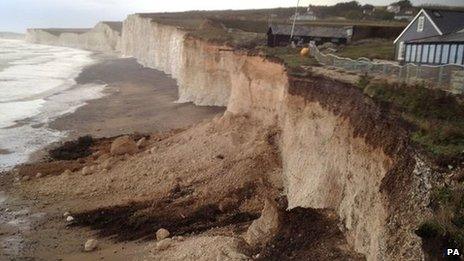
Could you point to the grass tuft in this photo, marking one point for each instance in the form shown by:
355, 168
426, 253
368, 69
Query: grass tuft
437, 116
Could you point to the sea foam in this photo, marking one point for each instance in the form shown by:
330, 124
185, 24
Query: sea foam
36, 86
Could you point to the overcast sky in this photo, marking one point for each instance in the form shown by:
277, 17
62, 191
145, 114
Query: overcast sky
17, 15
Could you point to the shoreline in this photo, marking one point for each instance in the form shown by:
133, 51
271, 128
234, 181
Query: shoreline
137, 100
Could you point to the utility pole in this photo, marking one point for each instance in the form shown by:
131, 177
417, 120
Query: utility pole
294, 20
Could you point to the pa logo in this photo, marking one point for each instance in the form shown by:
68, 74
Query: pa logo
452, 252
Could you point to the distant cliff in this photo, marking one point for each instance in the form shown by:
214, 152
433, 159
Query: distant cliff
9, 35
104, 37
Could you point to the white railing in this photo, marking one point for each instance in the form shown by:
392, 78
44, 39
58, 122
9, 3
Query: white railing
445, 77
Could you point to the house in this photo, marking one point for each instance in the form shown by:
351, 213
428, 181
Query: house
432, 37
279, 35
436, 50
405, 15
368, 9
308, 16
394, 8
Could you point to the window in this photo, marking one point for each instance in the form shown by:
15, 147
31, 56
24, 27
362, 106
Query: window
452, 56
413, 53
408, 53
401, 51
431, 53
425, 53
460, 54
419, 53
438, 54
420, 24
445, 53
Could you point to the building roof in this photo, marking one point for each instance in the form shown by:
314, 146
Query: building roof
314, 31
444, 21
453, 37
448, 21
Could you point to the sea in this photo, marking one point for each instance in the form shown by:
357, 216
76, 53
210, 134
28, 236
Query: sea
37, 85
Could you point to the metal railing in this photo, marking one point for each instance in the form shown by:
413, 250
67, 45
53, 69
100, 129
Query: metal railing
446, 77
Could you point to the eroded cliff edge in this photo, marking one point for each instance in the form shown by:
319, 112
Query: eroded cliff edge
339, 149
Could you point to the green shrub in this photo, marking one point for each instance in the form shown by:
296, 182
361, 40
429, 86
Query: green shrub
438, 116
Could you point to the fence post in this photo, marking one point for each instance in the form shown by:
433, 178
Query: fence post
419, 72
407, 73
440, 75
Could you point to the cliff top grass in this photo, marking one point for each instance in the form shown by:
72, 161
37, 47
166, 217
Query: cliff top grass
373, 49
436, 116
290, 57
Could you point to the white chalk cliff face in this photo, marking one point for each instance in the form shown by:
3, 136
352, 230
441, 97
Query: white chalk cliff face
325, 164
102, 38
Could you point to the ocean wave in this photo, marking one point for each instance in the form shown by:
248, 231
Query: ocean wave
37, 86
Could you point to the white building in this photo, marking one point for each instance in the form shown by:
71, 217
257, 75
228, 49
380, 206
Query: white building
307, 16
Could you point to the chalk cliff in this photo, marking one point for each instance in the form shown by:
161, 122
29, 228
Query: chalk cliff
104, 37
339, 150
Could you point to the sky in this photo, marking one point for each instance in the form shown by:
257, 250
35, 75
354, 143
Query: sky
17, 15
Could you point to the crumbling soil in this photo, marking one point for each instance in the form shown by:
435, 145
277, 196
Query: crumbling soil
141, 220
208, 180
307, 234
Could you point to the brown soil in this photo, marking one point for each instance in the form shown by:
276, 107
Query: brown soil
309, 234
140, 220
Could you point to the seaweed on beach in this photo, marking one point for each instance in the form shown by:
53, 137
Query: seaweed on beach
73, 150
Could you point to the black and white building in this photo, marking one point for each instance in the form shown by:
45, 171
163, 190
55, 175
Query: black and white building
434, 37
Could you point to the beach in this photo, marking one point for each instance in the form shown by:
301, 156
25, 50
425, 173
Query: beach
137, 99
134, 100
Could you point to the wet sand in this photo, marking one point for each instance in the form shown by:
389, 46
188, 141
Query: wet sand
139, 100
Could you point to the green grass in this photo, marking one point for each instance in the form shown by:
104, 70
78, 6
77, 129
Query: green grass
290, 56
437, 116
376, 49
326, 22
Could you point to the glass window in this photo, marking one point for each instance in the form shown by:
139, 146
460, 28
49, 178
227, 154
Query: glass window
413, 52
452, 56
438, 54
445, 53
425, 53
431, 53
460, 54
408, 53
419, 53
420, 24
